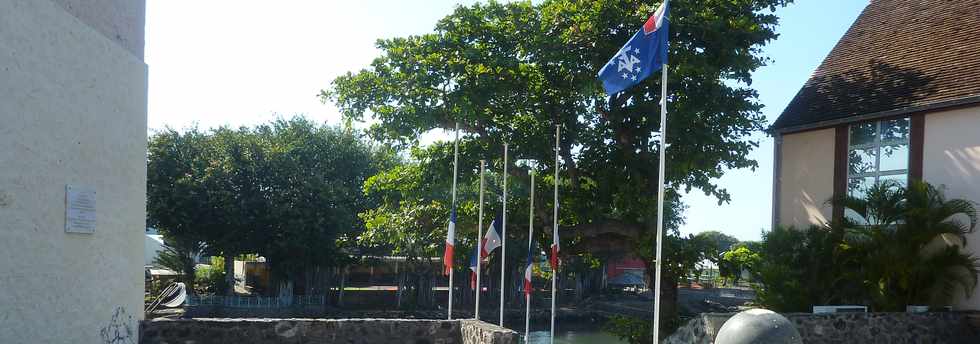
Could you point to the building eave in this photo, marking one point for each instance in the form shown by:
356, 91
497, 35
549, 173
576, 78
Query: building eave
931, 107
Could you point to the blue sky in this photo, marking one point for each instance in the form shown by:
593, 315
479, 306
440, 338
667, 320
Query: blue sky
230, 62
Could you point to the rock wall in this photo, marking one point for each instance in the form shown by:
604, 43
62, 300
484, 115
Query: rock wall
478, 332
891, 328
352, 331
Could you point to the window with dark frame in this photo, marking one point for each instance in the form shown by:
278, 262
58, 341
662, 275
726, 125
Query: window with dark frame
877, 151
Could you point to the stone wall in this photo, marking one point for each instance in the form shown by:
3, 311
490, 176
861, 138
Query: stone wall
478, 332
891, 328
262, 331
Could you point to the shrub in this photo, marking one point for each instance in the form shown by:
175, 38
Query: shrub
211, 279
898, 246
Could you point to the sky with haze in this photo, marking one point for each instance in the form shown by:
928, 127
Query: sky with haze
235, 62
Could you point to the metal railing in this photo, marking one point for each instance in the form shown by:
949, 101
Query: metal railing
256, 301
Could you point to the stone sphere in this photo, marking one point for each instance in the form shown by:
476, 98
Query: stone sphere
758, 326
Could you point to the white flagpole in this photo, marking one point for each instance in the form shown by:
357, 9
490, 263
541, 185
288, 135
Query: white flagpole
455, 173
554, 272
530, 241
503, 243
479, 243
660, 203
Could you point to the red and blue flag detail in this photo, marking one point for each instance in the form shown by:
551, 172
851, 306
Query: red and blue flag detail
528, 288
491, 241
447, 257
644, 54
474, 260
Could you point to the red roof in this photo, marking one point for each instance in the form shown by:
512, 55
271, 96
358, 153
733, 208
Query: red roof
899, 54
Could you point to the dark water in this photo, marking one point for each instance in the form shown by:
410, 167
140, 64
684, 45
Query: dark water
572, 333
574, 337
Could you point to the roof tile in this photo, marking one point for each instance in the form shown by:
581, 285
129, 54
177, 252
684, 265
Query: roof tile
897, 54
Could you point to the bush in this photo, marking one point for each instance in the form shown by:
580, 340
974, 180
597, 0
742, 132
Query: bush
797, 268
636, 330
631, 330
899, 246
211, 279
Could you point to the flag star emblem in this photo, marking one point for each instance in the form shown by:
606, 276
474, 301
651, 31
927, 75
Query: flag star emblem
629, 62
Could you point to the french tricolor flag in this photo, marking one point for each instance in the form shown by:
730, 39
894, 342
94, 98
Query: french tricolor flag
528, 288
491, 241
555, 249
447, 257
474, 260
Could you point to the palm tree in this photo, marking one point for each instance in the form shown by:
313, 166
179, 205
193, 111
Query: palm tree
179, 256
909, 243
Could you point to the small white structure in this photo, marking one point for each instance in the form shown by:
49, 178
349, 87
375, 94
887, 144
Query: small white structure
152, 245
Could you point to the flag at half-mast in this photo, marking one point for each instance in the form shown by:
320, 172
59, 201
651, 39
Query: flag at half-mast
474, 260
528, 288
555, 249
447, 257
644, 54
491, 241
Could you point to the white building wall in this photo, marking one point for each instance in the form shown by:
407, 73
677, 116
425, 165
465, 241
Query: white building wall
951, 157
806, 178
72, 111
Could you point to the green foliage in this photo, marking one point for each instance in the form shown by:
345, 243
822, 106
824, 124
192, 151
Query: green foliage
631, 330
636, 330
180, 259
736, 260
798, 269
716, 243
898, 246
687, 254
289, 190
910, 242
512, 72
211, 279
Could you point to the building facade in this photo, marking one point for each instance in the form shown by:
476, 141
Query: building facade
898, 98
72, 170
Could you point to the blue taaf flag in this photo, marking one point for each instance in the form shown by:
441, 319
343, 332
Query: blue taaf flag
644, 54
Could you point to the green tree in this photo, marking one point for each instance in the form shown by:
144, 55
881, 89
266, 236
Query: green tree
717, 244
177, 203
313, 191
234, 181
287, 190
179, 259
910, 242
511, 72
736, 260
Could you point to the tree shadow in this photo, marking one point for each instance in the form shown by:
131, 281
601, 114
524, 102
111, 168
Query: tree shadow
859, 91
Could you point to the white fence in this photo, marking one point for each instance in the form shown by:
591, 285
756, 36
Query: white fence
255, 301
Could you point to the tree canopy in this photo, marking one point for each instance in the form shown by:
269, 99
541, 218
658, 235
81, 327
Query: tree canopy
288, 190
512, 72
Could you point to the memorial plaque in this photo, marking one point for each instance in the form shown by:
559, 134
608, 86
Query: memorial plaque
79, 210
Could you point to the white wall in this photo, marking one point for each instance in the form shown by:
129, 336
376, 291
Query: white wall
806, 178
72, 111
951, 157
152, 245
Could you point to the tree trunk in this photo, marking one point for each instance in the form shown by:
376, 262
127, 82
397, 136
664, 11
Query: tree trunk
401, 287
668, 301
229, 274
343, 285
187, 276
